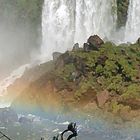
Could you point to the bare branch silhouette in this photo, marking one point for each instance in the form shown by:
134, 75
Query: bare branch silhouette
4, 136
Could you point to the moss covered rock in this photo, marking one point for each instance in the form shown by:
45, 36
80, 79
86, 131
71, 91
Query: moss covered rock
122, 10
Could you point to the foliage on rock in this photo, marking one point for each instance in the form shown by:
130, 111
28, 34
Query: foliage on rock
122, 10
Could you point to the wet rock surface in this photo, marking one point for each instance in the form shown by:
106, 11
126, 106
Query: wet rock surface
95, 42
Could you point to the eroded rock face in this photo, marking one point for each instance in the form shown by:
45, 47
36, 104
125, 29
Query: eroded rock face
76, 47
73, 80
56, 55
95, 42
122, 10
63, 60
138, 41
102, 98
8, 115
86, 47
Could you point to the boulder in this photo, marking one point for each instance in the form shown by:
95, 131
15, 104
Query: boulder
56, 55
75, 47
95, 42
138, 41
102, 98
86, 47
64, 59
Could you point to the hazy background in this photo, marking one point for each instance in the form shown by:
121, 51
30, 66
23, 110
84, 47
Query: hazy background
20, 33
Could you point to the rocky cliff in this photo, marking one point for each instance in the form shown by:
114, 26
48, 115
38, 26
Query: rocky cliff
98, 76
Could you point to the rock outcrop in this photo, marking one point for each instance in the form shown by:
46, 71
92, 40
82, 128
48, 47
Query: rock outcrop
95, 42
101, 75
138, 41
56, 55
102, 98
76, 47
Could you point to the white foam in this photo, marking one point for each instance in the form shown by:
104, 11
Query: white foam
65, 22
132, 30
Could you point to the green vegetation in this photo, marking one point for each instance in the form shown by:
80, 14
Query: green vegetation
132, 91
108, 77
113, 68
22, 11
122, 8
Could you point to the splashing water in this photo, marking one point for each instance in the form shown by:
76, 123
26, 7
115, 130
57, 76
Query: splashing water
4, 84
65, 22
11, 79
133, 22
95, 17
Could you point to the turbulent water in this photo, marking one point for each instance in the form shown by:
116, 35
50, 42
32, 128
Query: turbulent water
65, 22
33, 128
133, 22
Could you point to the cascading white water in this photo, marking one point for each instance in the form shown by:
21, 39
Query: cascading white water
95, 17
132, 31
57, 26
11, 79
4, 84
67, 21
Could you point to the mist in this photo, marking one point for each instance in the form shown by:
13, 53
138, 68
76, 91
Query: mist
18, 38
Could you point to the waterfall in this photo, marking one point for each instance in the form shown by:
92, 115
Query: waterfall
57, 26
65, 22
11, 79
132, 31
95, 17
5, 83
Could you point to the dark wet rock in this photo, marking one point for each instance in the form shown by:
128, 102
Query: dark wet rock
64, 59
122, 12
56, 55
75, 47
81, 67
95, 42
102, 98
8, 115
86, 47
138, 41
